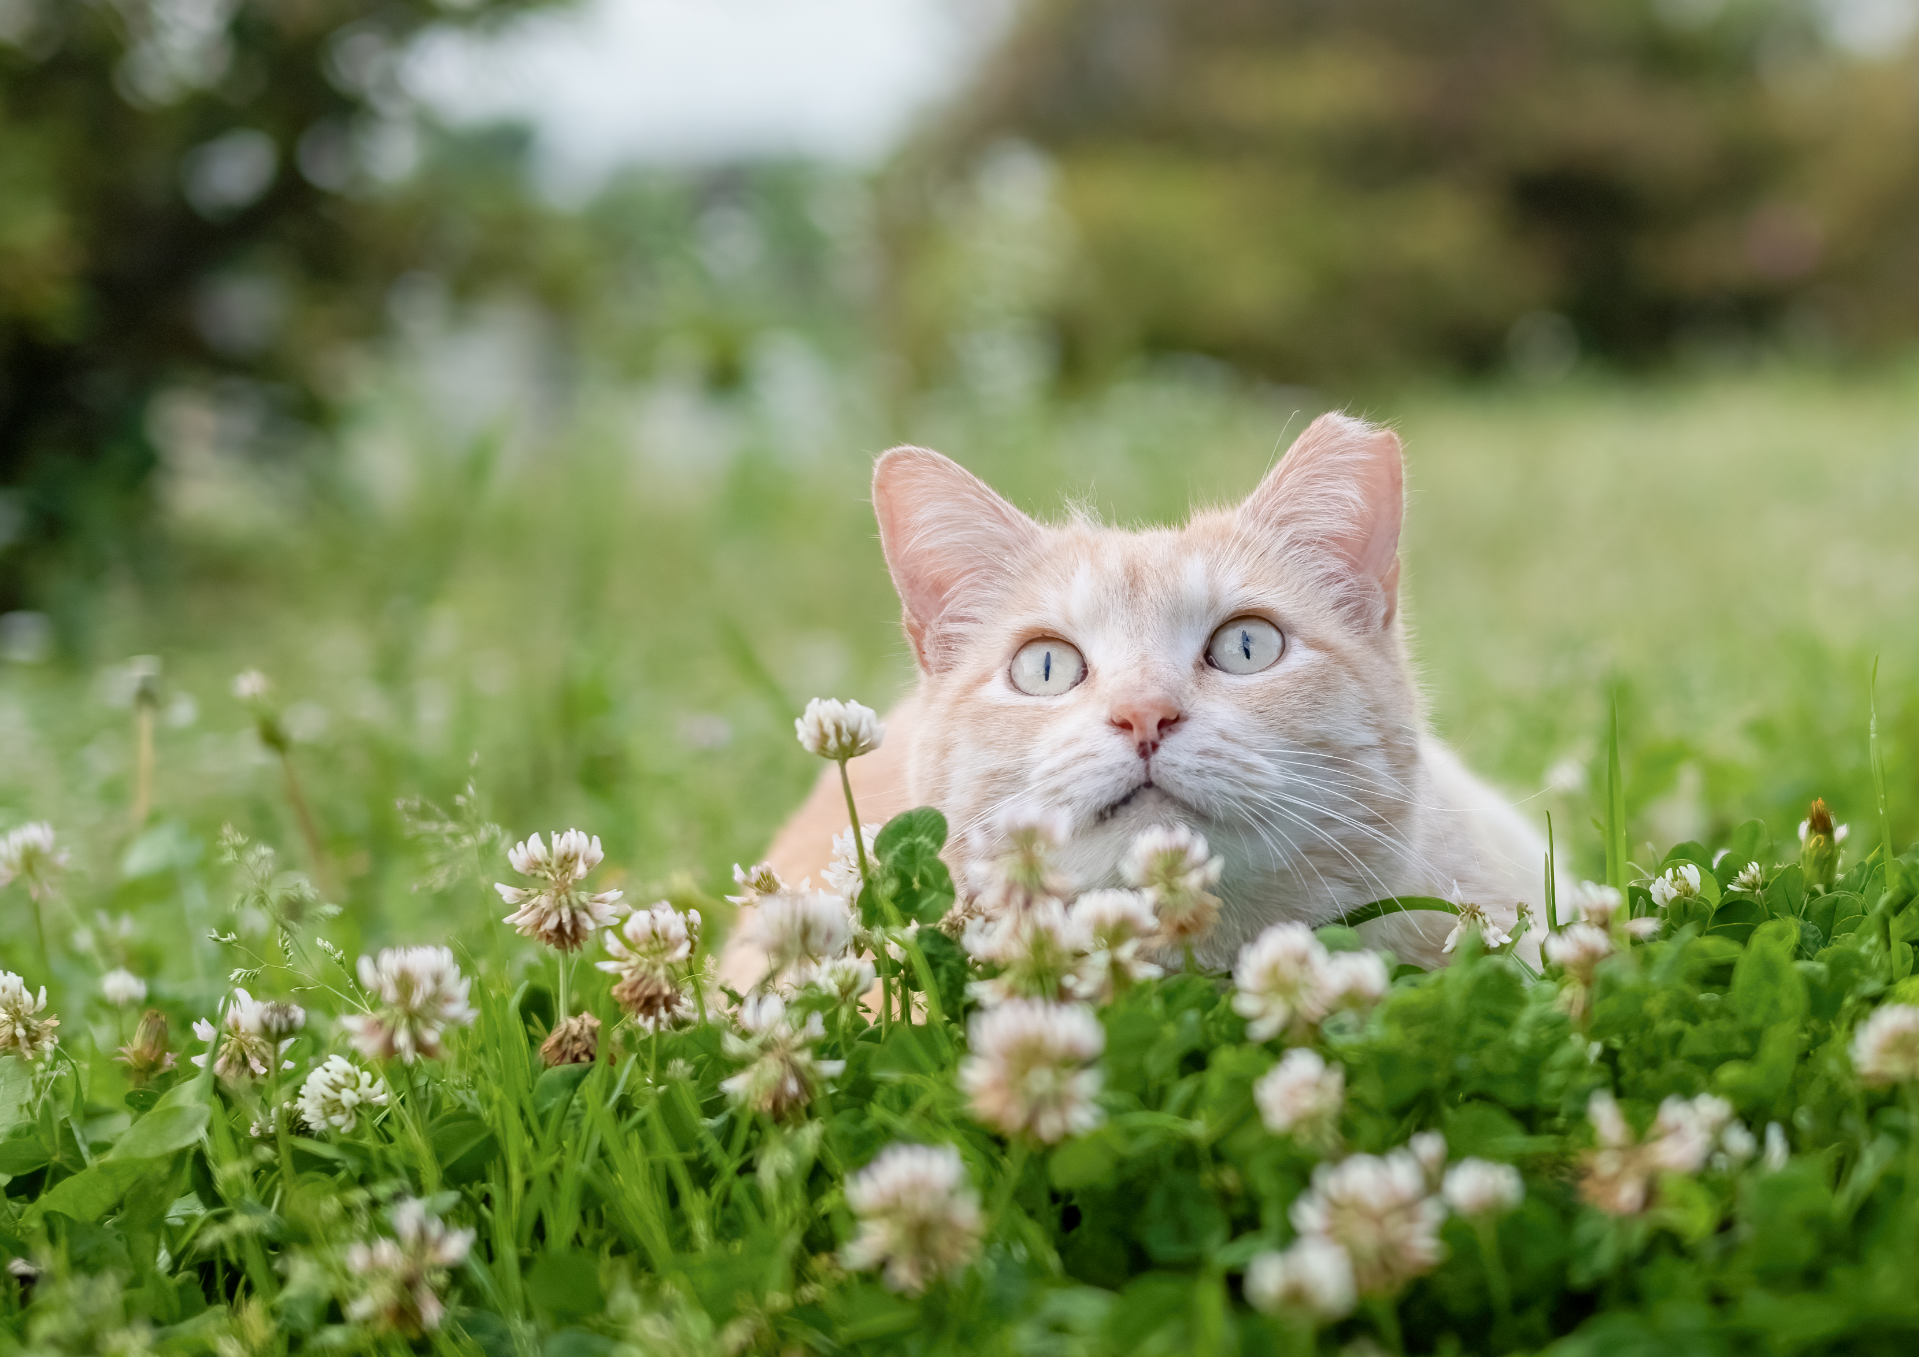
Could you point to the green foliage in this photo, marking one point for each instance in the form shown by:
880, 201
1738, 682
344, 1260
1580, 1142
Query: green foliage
630, 1204
1323, 193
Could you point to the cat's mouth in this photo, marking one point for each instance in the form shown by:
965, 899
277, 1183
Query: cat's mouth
1147, 793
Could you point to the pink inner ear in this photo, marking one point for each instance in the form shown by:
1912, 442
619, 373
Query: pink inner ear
1339, 489
950, 543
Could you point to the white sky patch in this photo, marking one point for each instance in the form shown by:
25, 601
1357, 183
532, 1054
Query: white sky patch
689, 82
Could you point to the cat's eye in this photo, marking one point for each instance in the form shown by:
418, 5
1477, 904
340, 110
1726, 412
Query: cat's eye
1245, 645
1046, 667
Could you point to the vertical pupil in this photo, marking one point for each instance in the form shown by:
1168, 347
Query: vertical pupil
1246, 643
1046, 674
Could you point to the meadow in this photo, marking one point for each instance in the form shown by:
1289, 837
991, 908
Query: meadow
606, 613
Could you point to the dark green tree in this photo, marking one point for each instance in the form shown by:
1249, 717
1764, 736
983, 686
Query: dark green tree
199, 191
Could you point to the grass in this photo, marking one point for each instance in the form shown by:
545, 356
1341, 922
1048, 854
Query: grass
1652, 612
600, 633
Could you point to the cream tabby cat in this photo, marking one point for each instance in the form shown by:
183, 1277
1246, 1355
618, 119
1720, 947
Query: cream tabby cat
1246, 675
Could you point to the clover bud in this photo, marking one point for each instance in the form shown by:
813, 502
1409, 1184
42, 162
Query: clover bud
1819, 840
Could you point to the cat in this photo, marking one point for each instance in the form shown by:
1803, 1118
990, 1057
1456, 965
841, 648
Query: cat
1246, 675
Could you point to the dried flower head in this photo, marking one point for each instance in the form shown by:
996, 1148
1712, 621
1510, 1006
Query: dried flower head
1313, 1278
1302, 1096
918, 1216
1379, 1210
400, 1280
242, 1047
649, 953
147, 1054
576, 1041
1277, 979
839, 730
1476, 1187
783, 1073
31, 855
122, 988
1678, 882
1037, 951
419, 993
797, 934
1474, 919
22, 1030
1885, 1049
1117, 927
1174, 867
334, 1095
558, 913
1819, 840
1029, 1073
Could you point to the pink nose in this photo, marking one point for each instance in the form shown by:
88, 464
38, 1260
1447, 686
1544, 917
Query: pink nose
1146, 719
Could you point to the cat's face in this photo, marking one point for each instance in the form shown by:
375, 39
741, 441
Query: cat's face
1244, 675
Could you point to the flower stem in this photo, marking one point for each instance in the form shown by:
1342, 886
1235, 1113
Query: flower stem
866, 877
566, 975
1004, 1196
309, 827
1386, 1320
142, 763
1496, 1279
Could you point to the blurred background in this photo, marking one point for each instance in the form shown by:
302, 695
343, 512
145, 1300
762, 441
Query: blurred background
502, 379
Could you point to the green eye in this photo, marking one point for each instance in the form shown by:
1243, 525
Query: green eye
1046, 667
1245, 645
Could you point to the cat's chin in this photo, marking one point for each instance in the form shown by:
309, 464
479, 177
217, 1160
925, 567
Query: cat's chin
1146, 805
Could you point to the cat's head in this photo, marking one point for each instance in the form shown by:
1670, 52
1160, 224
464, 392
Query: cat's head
1244, 674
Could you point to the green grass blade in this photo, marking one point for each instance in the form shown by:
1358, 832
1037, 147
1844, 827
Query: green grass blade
1876, 756
1615, 807
1398, 904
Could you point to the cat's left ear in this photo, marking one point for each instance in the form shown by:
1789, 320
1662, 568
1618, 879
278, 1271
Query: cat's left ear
1333, 506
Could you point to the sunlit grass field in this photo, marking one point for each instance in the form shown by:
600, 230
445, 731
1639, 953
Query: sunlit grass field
609, 618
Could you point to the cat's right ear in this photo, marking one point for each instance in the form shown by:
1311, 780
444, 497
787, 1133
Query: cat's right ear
951, 543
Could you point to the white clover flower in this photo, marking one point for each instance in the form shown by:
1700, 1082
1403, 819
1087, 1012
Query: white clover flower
648, 952
31, 854
399, 1281
1380, 1211
784, 1073
1176, 869
839, 730
1301, 1095
1025, 869
799, 933
1277, 978
247, 1042
1475, 1188
1682, 1139
1679, 882
1578, 948
1594, 903
1116, 926
1778, 1151
1752, 877
1038, 951
1885, 1049
1313, 1278
22, 1030
334, 1094
1428, 1148
1737, 1145
1028, 1073
420, 993
846, 978
918, 1216
1348, 980
843, 872
1685, 1131
250, 685
557, 913
121, 987
1473, 918
754, 882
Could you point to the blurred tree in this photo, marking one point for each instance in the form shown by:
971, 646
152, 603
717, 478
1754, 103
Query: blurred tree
205, 192
1324, 190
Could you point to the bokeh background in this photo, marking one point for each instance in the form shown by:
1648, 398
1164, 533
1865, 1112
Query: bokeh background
502, 379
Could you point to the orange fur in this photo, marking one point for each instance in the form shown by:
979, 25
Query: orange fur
1315, 778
